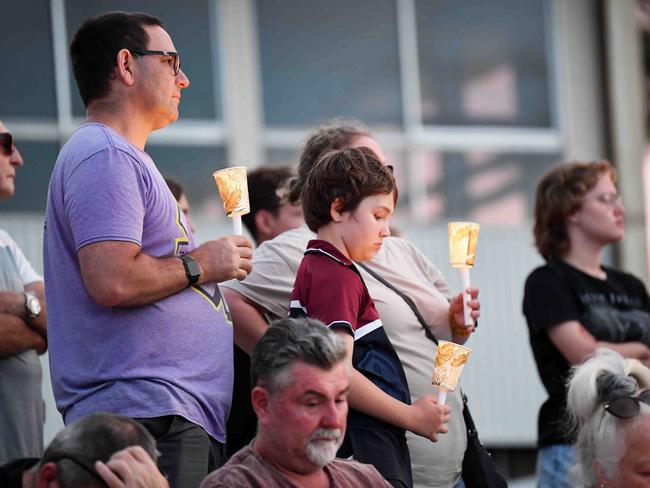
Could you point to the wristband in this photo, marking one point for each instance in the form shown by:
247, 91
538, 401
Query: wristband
458, 329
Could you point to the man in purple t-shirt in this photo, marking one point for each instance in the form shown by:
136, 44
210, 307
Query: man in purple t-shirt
137, 323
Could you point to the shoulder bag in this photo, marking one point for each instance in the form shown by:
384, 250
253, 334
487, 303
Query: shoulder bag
479, 469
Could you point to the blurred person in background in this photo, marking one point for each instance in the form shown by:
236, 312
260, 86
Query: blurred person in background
266, 293
574, 304
271, 214
23, 331
180, 196
609, 404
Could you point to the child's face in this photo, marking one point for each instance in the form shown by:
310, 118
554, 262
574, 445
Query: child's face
365, 228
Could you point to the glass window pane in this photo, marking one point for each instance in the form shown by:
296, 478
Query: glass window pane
484, 63
290, 157
189, 25
192, 167
324, 59
487, 187
27, 75
33, 177
282, 156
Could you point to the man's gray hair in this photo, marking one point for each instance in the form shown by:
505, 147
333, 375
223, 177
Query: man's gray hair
95, 437
289, 340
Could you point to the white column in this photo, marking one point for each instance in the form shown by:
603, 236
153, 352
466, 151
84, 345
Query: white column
411, 106
241, 81
626, 119
60, 43
577, 69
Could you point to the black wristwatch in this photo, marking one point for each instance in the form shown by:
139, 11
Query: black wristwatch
192, 269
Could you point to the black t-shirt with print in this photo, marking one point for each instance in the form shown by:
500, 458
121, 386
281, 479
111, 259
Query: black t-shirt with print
616, 309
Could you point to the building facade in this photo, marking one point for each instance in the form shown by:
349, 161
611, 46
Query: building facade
473, 101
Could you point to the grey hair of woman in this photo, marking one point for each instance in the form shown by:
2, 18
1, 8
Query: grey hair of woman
601, 436
288, 341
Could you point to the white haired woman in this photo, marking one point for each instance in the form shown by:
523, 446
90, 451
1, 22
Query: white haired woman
609, 402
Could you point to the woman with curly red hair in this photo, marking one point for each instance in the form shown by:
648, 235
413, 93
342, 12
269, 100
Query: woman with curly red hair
574, 304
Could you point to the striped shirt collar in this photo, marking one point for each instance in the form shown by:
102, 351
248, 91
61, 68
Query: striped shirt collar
323, 247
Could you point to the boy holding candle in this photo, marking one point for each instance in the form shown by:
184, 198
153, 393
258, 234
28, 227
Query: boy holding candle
348, 199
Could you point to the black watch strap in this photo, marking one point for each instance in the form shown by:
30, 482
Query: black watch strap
192, 270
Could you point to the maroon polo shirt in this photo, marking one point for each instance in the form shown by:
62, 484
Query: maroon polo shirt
329, 288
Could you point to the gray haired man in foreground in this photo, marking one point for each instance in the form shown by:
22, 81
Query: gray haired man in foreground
300, 399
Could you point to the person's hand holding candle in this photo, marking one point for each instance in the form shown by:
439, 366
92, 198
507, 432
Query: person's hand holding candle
463, 237
233, 190
457, 314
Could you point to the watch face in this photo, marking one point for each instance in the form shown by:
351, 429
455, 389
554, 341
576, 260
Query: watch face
193, 268
33, 305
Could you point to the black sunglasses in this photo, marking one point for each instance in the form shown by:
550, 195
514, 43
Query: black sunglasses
176, 56
85, 464
7, 143
628, 407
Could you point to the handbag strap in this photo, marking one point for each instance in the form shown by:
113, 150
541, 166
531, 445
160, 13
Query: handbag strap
467, 416
404, 297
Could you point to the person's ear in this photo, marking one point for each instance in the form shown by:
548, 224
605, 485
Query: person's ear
263, 222
572, 218
47, 476
260, 400
125, 66
335, 209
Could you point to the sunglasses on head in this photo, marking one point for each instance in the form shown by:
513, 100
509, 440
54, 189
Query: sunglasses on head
7, 143
85, 464
628, 407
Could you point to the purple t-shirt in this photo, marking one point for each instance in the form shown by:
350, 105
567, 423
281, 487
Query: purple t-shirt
173, 356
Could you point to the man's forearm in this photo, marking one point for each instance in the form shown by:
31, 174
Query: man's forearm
16, 337
119, 274
13, 303
166, 277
